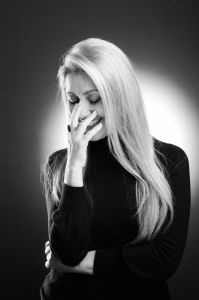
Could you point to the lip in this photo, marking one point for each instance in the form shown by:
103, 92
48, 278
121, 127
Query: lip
89, 127
96, 119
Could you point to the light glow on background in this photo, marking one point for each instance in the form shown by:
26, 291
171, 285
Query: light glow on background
54, 130
171, 113
172, 116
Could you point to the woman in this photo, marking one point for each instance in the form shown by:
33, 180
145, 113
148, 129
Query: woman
118, 199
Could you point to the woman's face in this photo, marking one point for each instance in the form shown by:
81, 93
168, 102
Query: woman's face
80, 88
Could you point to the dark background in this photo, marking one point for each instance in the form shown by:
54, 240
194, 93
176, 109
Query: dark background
34, 35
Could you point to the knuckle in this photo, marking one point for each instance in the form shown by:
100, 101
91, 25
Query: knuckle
49, 256
47, 247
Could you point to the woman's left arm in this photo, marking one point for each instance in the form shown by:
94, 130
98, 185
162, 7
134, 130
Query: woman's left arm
53, 262
160, 258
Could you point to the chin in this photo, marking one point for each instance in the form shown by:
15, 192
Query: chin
96, 137
99, 135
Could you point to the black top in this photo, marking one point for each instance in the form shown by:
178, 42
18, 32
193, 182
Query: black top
120, 268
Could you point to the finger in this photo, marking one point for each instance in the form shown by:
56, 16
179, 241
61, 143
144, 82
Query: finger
74, 110
47, 243
86, 122
72, 115
92, 132
47, 265
75, 115
49, 255
46, 246
47, 250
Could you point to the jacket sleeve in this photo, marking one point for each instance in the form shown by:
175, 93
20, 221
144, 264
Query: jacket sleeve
69, 225
160, 258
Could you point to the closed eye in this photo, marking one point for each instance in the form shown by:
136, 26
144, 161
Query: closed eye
77, 100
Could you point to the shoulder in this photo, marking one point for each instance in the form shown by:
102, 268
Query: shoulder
172, 156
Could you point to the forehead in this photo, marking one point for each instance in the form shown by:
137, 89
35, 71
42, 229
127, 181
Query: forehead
78, 83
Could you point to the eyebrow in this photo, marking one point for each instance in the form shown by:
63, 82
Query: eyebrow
85, 93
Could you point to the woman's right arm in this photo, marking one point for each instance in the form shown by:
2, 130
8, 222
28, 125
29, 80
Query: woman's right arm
69, 225
69, 233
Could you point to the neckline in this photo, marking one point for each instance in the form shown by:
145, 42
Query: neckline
100, 140
99, 144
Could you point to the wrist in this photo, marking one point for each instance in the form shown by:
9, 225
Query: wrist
92, 262
87, 264
74, 168
73, 175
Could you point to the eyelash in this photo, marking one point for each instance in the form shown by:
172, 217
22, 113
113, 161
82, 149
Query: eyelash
73, 103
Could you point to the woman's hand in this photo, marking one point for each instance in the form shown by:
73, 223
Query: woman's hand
78, 139
85, 266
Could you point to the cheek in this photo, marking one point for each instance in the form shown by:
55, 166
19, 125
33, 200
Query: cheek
100, 110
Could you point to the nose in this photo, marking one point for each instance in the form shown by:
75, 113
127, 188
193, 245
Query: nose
85, 110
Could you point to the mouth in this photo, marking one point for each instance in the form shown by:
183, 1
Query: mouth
93, 123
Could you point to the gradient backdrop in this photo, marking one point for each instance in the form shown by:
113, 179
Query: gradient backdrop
161, 37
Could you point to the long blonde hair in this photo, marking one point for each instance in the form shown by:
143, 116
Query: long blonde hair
113, 74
